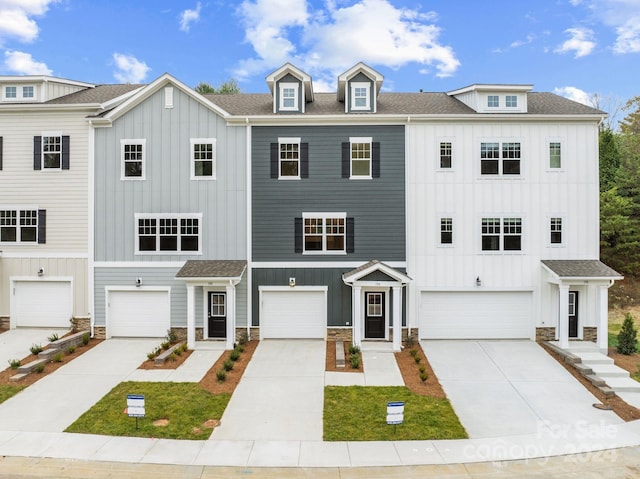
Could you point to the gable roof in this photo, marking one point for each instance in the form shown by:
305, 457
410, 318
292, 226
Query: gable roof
374, 265
363, 68
99, 94
288, 68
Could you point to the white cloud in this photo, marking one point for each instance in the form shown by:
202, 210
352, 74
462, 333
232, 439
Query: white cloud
129, 69
581, 42
16, 18
189, 16
628, 40
575, 94
23, 64
329, 40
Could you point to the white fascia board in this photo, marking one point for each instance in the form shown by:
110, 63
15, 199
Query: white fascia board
42, 79
497, 87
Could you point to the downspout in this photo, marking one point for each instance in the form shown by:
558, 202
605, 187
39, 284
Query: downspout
249, 232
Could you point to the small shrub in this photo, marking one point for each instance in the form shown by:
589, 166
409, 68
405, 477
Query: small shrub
171, 336
151, 355
35, 349
178, 351
221, 375
234, 355
240, 348
424, 376
71, 349
627, 337
227, 365
353, 349
53, 337
354, 361
417, 359
165, 345
422, 368
40, 368
413, 353
57, 358
85, 339
173, 357
14, 363
242, 338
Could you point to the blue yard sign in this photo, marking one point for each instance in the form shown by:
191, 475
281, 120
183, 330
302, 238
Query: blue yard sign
395, 412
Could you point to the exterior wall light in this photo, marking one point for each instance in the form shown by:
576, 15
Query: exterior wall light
138, 282
292, 282
478, 281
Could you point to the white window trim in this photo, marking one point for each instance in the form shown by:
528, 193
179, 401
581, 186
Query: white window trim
562, 155
20, 93
361, 139
502, 217
286, 141
296, 88
158, 216
437, 154
439, 243
352, 88
201, 141
324, 216
563, 231
133, 141
18, 209
50, 134
500, 175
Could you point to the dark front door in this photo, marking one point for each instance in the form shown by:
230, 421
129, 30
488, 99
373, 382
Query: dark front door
217, 327
573, 314
374, 316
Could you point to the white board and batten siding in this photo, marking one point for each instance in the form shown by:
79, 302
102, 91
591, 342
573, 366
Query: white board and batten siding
138, 312
476, 315
293, 313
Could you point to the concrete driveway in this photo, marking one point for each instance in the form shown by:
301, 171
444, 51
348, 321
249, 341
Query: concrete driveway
508, 388
280, 396
54, 402
15, 343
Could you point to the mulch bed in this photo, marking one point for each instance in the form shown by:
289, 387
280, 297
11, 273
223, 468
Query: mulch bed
210, 380
625, 411
411, 373
49, 368
168, 364
330, 359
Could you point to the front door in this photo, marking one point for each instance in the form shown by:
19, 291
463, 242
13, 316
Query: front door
573, 314
217, 326
374, 320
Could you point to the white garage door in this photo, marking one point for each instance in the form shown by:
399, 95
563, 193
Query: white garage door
43, 304
141, 314
293, 314
476, 315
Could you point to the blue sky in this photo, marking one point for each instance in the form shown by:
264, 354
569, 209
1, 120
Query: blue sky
573, 47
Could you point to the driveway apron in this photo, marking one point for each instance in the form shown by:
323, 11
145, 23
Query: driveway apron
15, 343
507, 388
57, 400
280, 395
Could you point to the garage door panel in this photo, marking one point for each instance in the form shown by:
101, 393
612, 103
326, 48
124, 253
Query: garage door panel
475, 315
143, 314
293, 314
39, 304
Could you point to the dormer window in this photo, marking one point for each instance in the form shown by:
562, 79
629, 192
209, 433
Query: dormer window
10, 92
493, 101
289, 94
360, 99
511, 101
17, 93
27, 92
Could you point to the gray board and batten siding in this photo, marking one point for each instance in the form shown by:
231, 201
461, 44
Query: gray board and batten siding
168, 187
377, 205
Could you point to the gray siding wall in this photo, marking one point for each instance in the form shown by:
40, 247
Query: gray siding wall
377, 205
161, 277
168, 187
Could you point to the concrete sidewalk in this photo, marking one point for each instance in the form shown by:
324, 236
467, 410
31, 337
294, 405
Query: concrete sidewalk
380, 368
15, 343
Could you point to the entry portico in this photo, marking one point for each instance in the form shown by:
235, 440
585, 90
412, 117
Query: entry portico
586, 279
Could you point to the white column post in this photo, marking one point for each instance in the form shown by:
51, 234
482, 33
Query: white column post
397, 318
231, 316
563, 316
356, 319
603, 319
191, 316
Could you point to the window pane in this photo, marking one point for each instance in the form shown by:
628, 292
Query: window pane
489, 167
556, 230
8, 233
51, 160
147, 243
202, 168
490, 243
27, 92
335, 234
555, 160
511, 167
445, 155
512, 243
168, 243
289, 168
360, 168
511, 101
313, 243
28, 234
446, 230
189, 243
493, 101
133, 169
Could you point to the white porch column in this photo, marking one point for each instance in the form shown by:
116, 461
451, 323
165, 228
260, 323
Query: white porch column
357, 314
397, 318
603, 318
231, 316
191, 316
563, 316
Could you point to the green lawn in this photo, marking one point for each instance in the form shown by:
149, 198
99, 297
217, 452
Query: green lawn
185, 405
6, 391
358, 413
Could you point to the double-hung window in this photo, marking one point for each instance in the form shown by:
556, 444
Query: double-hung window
361, 157
203, 158
501, 234
289, 158
51, 152
133, 153
555, 230
555, 155
324, 233
168, 234
446, 154
289, 93
446, 231
500, 158
360, 97
22, 225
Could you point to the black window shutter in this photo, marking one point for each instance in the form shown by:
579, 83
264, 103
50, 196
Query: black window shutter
304, 160
65, 152
346, 159
375, 159
0, 152
42, 226
274, 160
37, 152
298, 235
350, 236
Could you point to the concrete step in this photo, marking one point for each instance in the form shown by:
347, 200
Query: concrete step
18, 377
583, 346
623, 384
374, 346
27, 368
48, 353
596, 381
594, 358
607, 391
583, 369
609, 371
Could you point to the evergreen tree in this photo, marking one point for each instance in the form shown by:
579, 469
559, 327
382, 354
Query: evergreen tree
627, 337
230, 86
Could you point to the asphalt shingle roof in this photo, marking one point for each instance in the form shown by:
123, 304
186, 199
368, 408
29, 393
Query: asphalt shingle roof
580, 268
99, 94
212, 269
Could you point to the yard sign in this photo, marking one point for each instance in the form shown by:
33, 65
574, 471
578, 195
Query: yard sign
135, 405
395, 412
